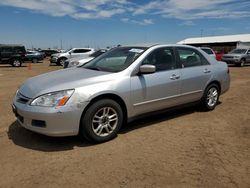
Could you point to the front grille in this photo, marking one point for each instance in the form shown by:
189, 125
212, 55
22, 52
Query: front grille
21, 98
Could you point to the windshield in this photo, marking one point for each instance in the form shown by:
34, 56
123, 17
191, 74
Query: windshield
238, 51
97, 53
66, 51
115, 60
208, 51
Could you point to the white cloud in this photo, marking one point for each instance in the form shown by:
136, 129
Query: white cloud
188, 23
196, 9
143, 22
186, 10
80, 9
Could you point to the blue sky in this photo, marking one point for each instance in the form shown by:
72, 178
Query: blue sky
101, 23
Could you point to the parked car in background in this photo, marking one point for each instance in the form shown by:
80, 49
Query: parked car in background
219, 55
12, 54
95, 99
60, 58
237, 56
49, 52
78, 61
34, 56
209, 51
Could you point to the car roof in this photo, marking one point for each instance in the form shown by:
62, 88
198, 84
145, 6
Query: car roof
143, 45
205, 47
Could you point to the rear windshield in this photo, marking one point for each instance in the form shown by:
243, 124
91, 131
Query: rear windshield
208, 51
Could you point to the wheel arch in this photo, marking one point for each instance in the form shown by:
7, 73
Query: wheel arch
111, 96
215, 82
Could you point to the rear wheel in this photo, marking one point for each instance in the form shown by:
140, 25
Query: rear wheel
16, 63
210, 97
102, 121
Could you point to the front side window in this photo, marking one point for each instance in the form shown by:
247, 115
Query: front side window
190, 58
115, 60
162, 59
19, 49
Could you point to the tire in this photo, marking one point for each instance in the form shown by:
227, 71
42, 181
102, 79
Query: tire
101, 121
16, 63
61, 61
34, 61
210, 97
242, 63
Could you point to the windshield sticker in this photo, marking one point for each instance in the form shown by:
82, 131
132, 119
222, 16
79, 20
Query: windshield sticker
136, 50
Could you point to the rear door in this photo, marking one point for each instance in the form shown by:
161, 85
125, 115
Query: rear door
196, 73
150, 92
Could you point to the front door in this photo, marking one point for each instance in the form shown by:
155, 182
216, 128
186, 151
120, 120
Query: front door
150, 92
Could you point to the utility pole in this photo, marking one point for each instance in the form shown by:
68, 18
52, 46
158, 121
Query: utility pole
201, 33
61, 44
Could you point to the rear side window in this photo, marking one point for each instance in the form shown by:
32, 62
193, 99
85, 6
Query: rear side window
6, 49
81, 50
19, 49
162, 59
191, 58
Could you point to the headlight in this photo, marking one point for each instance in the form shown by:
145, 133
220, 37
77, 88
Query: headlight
53, 99
74, 63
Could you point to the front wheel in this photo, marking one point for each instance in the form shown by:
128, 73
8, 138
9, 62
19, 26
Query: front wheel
16, 63
210, 97
61, 61
102, 121
242, 63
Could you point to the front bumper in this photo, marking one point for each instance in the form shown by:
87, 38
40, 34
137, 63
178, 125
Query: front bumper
62, 121
230, 61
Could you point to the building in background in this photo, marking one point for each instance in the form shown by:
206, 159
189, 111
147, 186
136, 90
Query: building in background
222, 44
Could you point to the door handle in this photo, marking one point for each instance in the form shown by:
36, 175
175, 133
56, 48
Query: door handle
207, 71
174, 77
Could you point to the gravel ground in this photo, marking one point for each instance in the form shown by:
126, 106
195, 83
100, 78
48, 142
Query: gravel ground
182, 148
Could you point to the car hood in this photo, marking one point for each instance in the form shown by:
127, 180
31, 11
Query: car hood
85, 60
62, 80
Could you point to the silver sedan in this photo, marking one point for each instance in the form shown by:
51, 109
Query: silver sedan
96, 99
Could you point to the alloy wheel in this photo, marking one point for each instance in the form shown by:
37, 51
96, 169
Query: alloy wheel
212, 97
104, 121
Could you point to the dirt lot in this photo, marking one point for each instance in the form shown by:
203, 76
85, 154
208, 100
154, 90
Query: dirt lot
184, 148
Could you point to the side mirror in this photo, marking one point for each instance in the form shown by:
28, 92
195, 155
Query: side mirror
147, 69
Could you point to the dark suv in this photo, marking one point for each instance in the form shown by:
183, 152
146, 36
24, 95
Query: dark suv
12, 54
